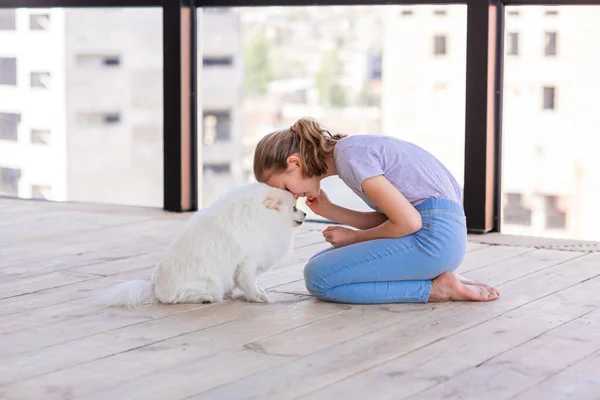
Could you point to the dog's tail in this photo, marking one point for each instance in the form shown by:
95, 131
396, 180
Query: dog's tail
128, 294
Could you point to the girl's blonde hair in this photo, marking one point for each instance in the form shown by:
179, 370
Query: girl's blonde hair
307, 138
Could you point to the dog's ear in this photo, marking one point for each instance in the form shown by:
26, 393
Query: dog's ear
273, 202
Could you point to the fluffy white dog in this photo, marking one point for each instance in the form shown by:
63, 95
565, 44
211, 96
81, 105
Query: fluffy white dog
228, 244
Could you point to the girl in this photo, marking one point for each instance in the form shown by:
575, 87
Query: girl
406, 249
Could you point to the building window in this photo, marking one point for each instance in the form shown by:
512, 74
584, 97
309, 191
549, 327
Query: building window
216, 168
439, 45
374, 67
8, 71
514, 211
217, 126
90, 119
111, 61
513, 44
40, 80
41, 192
113, 118
555, 218
217, 61
40, 136
97, 60
9, 126
550, 44
9, 181
549, 98
39, 22
7, 20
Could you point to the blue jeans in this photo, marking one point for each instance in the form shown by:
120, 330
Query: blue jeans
392, 270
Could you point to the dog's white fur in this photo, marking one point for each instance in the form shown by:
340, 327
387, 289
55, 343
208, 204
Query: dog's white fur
228, 244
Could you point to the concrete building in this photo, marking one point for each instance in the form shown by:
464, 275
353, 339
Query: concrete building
221, 98
114, 105
33, 121
550, 170
81, 104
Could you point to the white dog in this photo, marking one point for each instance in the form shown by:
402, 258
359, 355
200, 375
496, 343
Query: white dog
243, 234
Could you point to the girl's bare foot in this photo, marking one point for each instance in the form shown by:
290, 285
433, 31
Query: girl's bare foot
467, 281
448, 286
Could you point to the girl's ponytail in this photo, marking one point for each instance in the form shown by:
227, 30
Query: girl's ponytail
307, 138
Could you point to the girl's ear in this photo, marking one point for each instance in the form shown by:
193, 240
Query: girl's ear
293, 160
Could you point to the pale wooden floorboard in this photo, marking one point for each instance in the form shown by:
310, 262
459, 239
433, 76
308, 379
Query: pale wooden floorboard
448, 366
56, 343
318, 365
561, 385
191, 341
98, 320
307, 355
547, 356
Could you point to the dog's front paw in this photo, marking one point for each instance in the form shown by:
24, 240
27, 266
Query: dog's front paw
258, 298
261, 290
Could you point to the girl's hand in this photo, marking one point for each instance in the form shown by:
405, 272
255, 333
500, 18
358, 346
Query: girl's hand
319, 204
339, 236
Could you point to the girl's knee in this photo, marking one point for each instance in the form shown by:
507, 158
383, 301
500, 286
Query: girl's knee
320, 253
313, 278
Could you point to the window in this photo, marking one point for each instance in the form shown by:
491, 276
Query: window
555, 217
90, 118
439, 45
550, 44
111, 61
40, 80
217, 61
216, 168
287, 73
112, 118
98, 60
513, 44
8, 71
39, 22
40, 136
217, 126
42, 192
549, 98
7, 20
374, 67
514, 211
9, 181
9, 124
558, 180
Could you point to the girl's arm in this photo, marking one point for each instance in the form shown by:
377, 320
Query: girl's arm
356, 219
322, 206
403, 218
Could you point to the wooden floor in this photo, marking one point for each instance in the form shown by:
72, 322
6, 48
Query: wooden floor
540, 340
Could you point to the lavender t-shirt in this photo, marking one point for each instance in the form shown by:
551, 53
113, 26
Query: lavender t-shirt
416, 173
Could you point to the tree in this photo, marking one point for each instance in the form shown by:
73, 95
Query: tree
331, 92
257, 65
